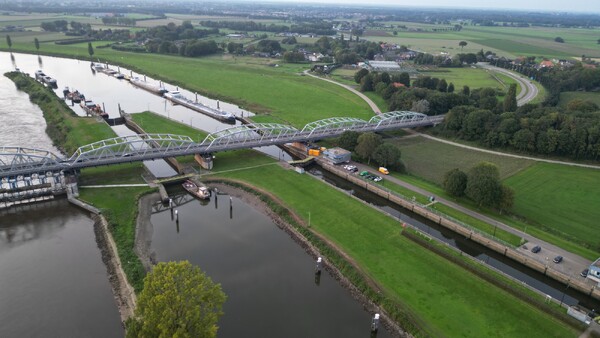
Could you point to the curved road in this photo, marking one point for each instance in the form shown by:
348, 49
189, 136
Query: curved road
528, 90
371, 104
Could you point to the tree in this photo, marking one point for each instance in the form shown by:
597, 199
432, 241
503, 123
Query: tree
598, 41
510, 100
367, 143
36, 42
360, 74
462, 44
466, 90
451, 88
8, 41
483, 184
348, 140
178, 300
455, 182
559, 39
388, 155
421, 106
90, 50
507, 198
442, 86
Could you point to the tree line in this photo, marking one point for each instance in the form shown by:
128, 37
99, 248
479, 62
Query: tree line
318, 28
431, 95
573, 133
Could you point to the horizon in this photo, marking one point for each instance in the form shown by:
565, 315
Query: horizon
574, 6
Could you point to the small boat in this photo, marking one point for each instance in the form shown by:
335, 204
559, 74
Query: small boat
119, 76
75, 96
200, 192
93, 109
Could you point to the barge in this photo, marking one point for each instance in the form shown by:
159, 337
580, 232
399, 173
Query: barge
146, 86
177, 98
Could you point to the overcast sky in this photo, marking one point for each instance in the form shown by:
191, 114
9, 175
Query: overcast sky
542, 5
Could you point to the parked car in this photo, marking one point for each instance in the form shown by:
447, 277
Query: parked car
364, 173
558, 259
584, 273
536, 249
377, 179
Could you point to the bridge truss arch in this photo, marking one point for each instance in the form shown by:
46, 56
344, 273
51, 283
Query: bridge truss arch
333, 125
131, 146
244, 134
396, 118
13, 159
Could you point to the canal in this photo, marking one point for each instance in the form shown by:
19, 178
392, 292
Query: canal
517, 271
268, 278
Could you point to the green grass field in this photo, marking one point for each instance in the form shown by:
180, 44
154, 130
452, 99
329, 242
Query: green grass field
441, 293
562, 198
566, 97
430, 159
472, 77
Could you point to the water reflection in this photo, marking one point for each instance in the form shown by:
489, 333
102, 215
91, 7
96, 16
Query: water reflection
53, 280
270, 281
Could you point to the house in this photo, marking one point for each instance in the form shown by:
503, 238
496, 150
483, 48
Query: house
337, 155
546, 64
398, 85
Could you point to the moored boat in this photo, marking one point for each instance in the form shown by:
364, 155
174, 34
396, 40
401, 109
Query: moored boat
177, 98
92, 108
149, 87
200, 192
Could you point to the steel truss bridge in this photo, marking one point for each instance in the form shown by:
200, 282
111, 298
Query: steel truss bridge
16, 161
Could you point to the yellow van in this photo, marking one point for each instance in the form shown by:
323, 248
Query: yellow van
384, 171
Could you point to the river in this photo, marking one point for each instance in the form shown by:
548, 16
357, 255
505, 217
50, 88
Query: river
269, 279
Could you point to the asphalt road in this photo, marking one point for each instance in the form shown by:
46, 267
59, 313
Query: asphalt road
528, 90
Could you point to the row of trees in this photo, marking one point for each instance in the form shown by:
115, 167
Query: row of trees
430, 95
481, 184
573, 133
118, 20
319, 27
171, 32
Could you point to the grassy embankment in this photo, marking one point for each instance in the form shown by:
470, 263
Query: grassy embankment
442, 295
551, 200
68, 132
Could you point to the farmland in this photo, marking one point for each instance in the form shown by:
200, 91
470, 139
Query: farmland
560, 198
430, 159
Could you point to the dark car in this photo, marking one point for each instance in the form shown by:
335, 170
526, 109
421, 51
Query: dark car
584, 273
558, 259
536, 249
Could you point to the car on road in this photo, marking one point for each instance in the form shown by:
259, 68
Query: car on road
558, 259
584, 273
536, 249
